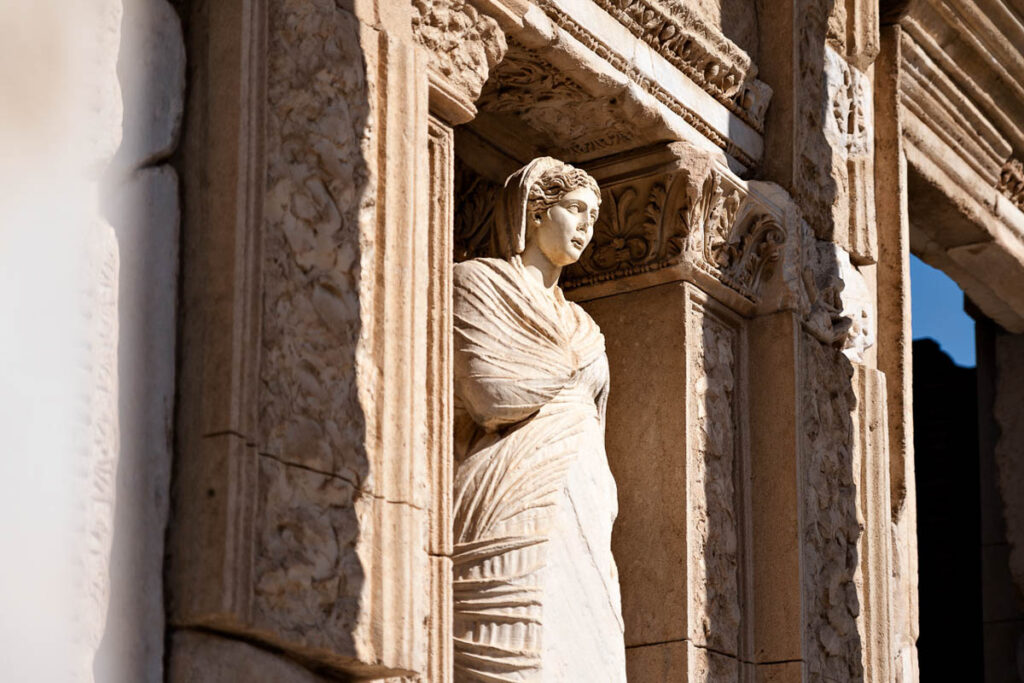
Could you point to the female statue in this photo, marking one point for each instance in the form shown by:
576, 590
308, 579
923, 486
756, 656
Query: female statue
535, 587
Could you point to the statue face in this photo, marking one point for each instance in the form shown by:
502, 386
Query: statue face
564, 230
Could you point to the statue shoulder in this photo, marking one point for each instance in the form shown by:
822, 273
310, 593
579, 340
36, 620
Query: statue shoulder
466, 273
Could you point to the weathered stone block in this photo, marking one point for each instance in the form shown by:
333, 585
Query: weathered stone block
200, 657
660, 662
647, 454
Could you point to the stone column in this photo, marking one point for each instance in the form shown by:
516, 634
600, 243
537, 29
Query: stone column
680, 543
775, 433
682, 252
894, 347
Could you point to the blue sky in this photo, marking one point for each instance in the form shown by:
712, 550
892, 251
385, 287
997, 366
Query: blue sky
937, 311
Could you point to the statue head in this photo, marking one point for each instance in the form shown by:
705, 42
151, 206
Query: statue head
545, 201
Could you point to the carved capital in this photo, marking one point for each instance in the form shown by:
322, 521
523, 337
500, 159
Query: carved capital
464, 45
698, 216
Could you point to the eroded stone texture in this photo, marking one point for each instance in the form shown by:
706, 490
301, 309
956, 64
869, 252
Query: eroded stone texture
307, 577
830, 525
714, 518
463, 43
317, 182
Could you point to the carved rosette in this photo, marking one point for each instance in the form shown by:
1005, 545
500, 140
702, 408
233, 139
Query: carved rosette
711, 224
464, 45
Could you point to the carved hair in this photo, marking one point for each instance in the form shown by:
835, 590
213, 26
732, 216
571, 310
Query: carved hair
534, 188
554, 184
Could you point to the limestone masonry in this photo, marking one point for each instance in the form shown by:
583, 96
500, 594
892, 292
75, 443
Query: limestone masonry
561, 340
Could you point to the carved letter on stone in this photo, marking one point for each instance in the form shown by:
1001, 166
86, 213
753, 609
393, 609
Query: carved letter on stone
535, 587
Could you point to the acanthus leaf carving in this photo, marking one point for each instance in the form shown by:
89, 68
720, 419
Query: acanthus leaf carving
714, 225
635, 233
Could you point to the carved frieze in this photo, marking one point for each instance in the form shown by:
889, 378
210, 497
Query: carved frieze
838, 152
710, 223
834, 175
715, 576
627, 67
464, 45
475, 198
849, 97
553, 104
1011, 182
708, 58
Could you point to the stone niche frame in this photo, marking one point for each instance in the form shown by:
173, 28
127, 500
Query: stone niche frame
312, 477
313, 387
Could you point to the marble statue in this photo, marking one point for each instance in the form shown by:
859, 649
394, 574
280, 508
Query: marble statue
535, 587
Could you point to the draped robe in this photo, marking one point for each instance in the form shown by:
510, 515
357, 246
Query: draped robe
535, 589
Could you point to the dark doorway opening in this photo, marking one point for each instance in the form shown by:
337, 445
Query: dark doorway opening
947, 467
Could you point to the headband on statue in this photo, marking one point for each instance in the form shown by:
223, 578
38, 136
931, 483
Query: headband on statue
511, 214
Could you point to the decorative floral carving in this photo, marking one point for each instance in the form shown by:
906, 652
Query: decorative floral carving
633, 235
712, 61
713, 225
624, 64
464, 44
849, 96
625, 236
475, 199
1011, 182
713, 215
715, 581
550, 102
815, 188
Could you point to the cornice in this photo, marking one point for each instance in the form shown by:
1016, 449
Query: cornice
709, 59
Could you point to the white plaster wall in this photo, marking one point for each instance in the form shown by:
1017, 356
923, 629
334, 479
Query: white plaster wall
88, 271
141, 200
